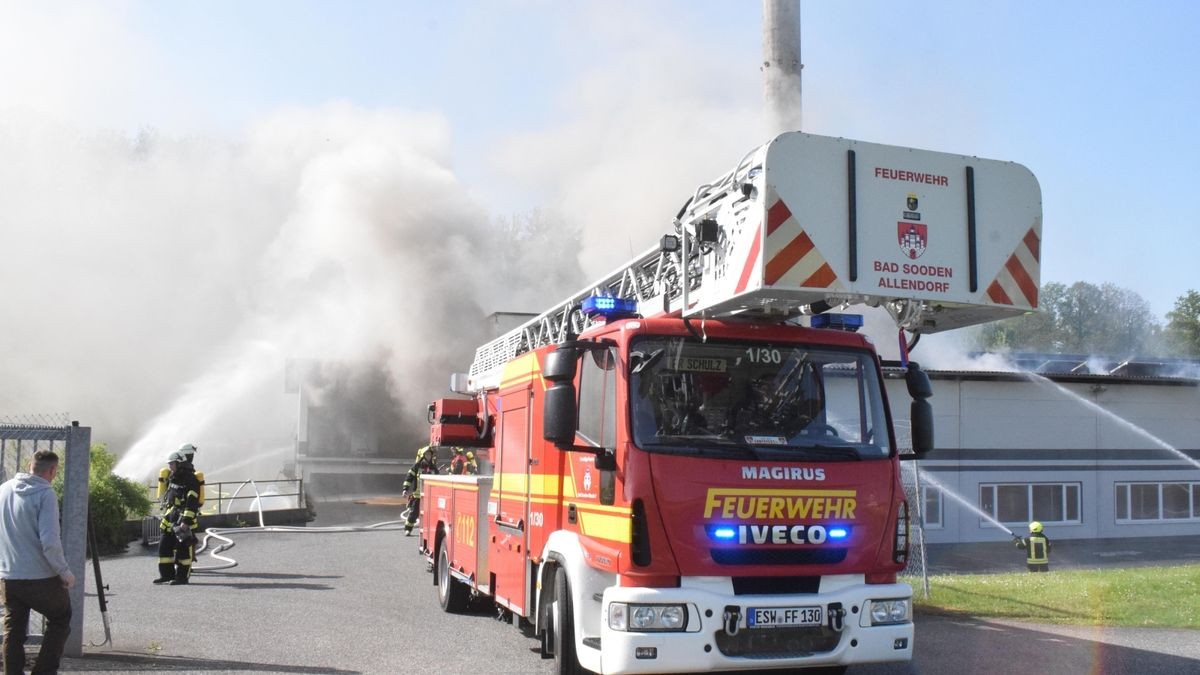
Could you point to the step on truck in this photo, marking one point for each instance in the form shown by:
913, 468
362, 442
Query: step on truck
691, 465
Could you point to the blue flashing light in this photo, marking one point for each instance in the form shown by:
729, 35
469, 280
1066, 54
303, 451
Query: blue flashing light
838, 533
846, 322
608, 306
723, 533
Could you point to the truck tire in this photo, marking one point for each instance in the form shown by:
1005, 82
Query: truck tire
562, 625
453, 595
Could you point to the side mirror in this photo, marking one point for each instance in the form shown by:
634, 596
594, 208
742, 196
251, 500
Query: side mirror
917, 381
561, 364
560, 415
921, 412
922, 426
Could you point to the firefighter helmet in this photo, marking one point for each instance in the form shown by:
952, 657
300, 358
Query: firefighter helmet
176, 456
1035, 527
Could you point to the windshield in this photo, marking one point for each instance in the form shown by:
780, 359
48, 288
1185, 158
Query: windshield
771, 400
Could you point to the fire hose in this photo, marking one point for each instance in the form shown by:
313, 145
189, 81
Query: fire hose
222, 535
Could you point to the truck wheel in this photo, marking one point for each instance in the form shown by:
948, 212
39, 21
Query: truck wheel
562, 625
452, 593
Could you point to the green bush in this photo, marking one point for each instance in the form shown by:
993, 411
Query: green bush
112, 500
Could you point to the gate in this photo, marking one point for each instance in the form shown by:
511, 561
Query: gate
20, 438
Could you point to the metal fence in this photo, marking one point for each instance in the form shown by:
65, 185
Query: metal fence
22, 436
917, 568
222, 497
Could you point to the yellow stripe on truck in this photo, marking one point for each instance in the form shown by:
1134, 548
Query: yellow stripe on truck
520, 370
601, 526
540, 484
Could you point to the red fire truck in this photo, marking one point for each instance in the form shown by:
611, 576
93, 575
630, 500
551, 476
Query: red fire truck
691, 465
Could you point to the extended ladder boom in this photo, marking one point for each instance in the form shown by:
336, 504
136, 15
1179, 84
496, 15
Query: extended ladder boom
939, 240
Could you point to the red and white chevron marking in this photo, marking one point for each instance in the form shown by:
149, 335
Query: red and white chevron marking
1015, 284
790, 254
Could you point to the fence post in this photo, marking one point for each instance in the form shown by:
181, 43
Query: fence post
74, 529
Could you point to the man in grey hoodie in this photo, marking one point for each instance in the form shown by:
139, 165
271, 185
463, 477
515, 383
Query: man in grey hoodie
33, 570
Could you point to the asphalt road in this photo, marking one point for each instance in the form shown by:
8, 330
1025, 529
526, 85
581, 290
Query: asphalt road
362, 602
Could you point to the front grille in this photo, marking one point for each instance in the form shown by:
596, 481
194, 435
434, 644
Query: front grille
776, 585
777, 643
778, 556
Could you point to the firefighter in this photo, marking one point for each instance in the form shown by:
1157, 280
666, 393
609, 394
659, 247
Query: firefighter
1037, 547
189, 453
463, 463
181, 508
426, 463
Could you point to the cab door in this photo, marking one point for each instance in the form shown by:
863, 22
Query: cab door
510, 522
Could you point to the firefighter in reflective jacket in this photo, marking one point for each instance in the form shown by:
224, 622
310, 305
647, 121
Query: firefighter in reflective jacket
463, 463
426, 463
181, 507
1036, 547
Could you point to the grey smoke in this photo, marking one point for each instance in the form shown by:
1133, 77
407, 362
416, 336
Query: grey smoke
160, 291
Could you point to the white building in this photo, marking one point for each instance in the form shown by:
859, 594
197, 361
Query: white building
1091, 456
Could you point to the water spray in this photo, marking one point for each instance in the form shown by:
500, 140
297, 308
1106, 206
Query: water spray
1092, 405
962, 500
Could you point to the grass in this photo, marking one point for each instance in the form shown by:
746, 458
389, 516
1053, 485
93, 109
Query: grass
1161, 597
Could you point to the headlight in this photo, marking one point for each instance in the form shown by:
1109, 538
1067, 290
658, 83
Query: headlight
673, 617
889, 611
647, 618
643, 617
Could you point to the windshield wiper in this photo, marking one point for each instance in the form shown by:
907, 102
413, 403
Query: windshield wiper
831, 451
704, 444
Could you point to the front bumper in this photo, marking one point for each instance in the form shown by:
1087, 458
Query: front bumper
708, 646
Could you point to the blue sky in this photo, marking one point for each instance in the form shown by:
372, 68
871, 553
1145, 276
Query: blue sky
191, 169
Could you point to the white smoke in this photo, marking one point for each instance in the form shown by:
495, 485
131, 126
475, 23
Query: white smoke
160, 296
664, 114
165, 279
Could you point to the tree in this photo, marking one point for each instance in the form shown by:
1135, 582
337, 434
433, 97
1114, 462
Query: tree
1183, 325
112, 500
1082, 318
1032, 332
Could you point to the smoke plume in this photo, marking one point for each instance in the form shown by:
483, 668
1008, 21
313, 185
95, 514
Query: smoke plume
161, 294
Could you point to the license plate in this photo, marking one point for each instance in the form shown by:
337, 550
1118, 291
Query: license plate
782, 617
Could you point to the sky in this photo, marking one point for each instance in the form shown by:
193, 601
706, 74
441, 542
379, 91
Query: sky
194, 192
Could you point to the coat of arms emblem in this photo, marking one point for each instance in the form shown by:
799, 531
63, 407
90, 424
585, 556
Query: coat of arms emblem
913, 238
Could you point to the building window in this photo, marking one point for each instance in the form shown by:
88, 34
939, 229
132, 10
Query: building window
931, 507
1140, 502
1019, 503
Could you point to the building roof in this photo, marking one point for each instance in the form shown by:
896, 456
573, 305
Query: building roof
1095, 369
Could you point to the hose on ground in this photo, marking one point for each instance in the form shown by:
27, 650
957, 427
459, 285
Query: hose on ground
222, 535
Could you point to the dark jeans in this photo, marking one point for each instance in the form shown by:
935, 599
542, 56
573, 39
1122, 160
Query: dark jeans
46, 597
